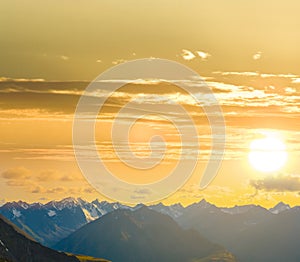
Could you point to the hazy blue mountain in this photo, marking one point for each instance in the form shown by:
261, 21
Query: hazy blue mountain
219, 225
141, 235
16, 246
250, 232
273, 240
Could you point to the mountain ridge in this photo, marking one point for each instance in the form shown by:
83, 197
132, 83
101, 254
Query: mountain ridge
54, 220
140, 235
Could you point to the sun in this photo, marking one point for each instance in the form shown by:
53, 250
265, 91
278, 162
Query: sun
267, 154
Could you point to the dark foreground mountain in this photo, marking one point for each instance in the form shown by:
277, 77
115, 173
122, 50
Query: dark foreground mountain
15, 246
141, 235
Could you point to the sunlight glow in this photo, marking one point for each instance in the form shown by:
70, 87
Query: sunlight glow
267, 154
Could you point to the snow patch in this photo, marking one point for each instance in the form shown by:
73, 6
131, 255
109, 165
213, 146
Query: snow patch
280, 207
16, 213
90, 216
3, 245
51, 213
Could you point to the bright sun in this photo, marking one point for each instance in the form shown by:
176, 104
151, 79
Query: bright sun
267, 154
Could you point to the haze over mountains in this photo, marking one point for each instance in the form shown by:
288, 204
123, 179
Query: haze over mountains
251, 233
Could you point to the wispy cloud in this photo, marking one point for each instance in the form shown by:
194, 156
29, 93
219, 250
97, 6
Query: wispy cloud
64, 57
257, 56
15, 176
255, 74
236, 73
61, 190
16, 173
187, 55
118, 61
265, 75
203, 55
290, 90
9, 79
296, 81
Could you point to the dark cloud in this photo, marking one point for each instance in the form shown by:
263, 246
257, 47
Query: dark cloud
277, 183
16, 173
18, 176
141, 193
50, 96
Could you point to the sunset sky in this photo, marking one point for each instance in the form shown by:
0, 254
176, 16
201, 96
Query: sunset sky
247, 52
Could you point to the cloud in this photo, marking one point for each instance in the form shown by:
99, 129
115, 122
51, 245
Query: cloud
16, 176
65, 58
193, 191
8, 79
257, 56
187, 55
37, 190
16, 183
62, 190
278, 75
56, 190
257, 74
290, 90
118, 61
98, 61
55, 175
142, 193
279, 183
16, 173
203, 55
296, 81
236, 73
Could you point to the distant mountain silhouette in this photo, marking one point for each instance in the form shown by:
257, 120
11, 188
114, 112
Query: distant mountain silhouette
252, 233
16, 246
274, 240
141, 235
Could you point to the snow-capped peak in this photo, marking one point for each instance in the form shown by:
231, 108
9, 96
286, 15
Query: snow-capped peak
68, 202
237, 209
280, 207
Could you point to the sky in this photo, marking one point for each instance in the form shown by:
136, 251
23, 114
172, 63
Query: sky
247, 53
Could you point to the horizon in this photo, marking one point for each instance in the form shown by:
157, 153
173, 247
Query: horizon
147, 205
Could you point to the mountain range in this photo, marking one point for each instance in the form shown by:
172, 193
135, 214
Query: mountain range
55, 220
250, 232
141, 235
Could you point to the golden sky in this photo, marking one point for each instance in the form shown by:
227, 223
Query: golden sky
247, 52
